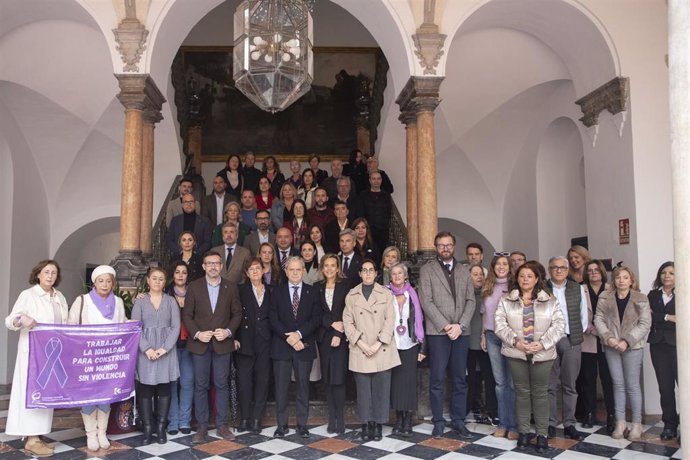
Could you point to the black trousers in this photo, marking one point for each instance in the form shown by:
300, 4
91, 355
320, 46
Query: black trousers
253, 379
202, 385
335, 396
665, 364
586, 385
282, 371
474, 382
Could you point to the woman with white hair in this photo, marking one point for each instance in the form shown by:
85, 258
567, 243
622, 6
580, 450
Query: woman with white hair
99, 306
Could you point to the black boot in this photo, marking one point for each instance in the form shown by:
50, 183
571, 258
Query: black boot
163, 409
243, 426
399, 421
146, 417
407, 424
610, 423
256, 426
378, 429
365, 432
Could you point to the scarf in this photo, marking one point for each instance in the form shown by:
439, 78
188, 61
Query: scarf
105, 306
418, 315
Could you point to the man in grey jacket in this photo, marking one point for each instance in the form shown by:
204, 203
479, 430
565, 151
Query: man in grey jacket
447, 298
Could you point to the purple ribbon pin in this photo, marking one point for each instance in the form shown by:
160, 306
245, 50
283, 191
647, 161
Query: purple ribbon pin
53, 365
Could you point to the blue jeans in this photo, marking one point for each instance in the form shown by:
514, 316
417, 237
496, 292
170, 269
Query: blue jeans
180, 415
505, 393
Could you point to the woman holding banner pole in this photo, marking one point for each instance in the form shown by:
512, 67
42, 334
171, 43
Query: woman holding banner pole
157, 364
42, 303
99, 306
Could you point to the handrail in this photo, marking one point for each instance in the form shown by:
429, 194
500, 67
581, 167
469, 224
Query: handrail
159, 246
397, 235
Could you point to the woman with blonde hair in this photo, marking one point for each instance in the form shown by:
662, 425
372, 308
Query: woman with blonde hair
281, 208
623, 320
578, 256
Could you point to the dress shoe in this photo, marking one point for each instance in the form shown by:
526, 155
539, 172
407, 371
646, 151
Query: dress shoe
461, 429
302, 431
256, 426
38, 448
398, 427
281, 431
552, 431
572, 433
185, 430
243, 426
172, 432
226, 433
669, 433
365, 432
610, 423
588, 420
200, 435
438, 429
523, 440
500, 433
378, 432
512, 435
635, 433
542, 444
619, 431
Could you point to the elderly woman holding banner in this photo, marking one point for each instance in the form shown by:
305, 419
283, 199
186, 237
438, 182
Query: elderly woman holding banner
99, 306
41, 303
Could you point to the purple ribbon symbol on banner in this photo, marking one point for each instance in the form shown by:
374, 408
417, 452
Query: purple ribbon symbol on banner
53, 364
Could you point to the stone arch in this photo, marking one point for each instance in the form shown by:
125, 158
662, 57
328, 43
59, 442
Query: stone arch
464, 234
560, 181
567, 26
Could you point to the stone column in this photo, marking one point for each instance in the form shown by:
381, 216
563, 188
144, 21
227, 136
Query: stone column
409, 118
421, 96
138, 93
151, 117
679, 101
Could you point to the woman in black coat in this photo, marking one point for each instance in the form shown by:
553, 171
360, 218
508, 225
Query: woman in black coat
253, 347
333, 348
662, 340
233, 176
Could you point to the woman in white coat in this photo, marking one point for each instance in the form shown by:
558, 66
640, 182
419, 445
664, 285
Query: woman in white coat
42, 303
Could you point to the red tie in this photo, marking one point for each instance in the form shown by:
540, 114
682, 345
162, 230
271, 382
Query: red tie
295, 301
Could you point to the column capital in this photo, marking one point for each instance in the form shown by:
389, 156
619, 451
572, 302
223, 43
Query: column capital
612, 96
420, 94
408, 117
139, 92
152, 115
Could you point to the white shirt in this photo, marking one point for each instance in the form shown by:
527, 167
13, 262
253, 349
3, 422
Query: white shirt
220, 201
559, 293
263, 238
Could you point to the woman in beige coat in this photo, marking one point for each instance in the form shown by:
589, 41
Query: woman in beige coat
623, 320
530, 323
369, 320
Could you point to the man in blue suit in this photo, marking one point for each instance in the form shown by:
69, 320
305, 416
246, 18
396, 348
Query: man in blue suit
295, 317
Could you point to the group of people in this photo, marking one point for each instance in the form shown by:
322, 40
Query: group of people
291, 292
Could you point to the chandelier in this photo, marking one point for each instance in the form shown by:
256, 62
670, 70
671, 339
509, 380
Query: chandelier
273, 62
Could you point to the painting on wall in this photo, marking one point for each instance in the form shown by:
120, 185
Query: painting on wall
323, 121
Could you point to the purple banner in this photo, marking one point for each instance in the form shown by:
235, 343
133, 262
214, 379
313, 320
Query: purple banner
74, 366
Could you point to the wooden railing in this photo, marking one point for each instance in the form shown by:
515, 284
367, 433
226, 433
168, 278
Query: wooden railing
397, 235
159, 245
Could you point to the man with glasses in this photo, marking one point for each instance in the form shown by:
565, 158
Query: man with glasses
189, 221
174, 207
448, 301
212, 314
262, 234
566, 367
517, 258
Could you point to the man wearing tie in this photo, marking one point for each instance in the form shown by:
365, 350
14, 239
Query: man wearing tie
350, 260
284, 250
234, 255
295, 316
212, 314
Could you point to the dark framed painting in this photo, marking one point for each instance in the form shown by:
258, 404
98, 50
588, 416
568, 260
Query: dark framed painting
324, 121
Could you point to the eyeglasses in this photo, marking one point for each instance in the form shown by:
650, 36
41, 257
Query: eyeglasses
213, 264
558, 268
496, 254
368, 270
445, 246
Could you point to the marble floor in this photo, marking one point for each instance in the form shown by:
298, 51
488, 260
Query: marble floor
70, 443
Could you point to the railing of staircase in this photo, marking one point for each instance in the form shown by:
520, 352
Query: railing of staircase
159, 246
398, 232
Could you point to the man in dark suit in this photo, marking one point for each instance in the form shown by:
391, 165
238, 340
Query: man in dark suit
213, 205
234, 256
250, 173
350, 260
262, 234
189, 221
295, 317
284, 250
212, 314
346, 195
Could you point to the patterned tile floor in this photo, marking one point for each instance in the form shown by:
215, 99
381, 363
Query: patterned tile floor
70, 444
